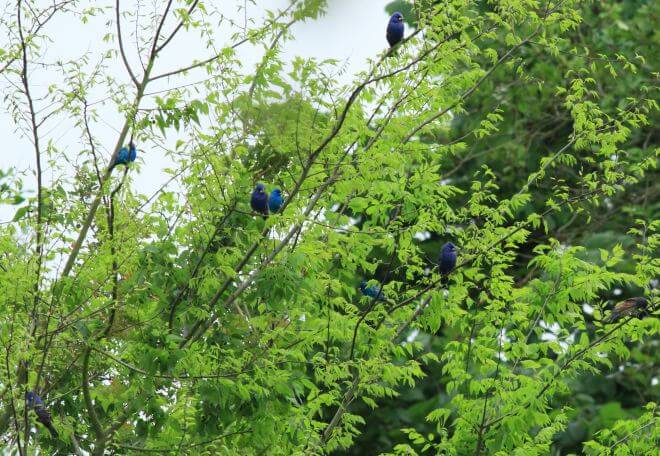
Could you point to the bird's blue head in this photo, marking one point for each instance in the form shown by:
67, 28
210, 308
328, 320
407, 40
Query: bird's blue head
448, 248
260, 188
32, 398
277, 191
363, 285
396, 18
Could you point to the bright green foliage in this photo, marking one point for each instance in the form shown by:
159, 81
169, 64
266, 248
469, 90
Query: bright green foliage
628, 437
180, 323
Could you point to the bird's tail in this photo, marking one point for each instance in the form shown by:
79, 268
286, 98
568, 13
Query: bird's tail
612, 317
444, 280
115, 162
51, 428
393, 51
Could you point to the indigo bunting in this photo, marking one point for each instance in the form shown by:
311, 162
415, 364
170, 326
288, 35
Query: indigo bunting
395, 29
259, 200
126, 155
630, 307
122, 157
275, 201
447, 260
43, 415
373, 291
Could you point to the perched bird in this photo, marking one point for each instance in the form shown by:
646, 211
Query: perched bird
122, 157
43, 415
275, 201
259, 200
447, 259
126, 155
132, 152
395, 29
630, 307
373, 291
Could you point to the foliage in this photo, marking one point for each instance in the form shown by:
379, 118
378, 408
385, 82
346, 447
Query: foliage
181, 323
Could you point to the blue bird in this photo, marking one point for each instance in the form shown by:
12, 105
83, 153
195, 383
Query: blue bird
43, 415
395, 29
259, 200
275, 201
447, 260
132, 152
122, 156
373, 291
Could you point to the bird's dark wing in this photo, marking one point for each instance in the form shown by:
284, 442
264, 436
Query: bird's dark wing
45, 418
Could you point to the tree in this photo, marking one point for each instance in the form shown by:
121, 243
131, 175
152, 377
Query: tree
183, 323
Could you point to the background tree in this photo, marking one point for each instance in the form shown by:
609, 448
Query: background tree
182, 323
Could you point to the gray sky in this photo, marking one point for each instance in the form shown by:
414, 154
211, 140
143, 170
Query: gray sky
352, 31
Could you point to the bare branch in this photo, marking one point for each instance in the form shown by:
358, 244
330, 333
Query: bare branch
121, 46
177, 28
212, 59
